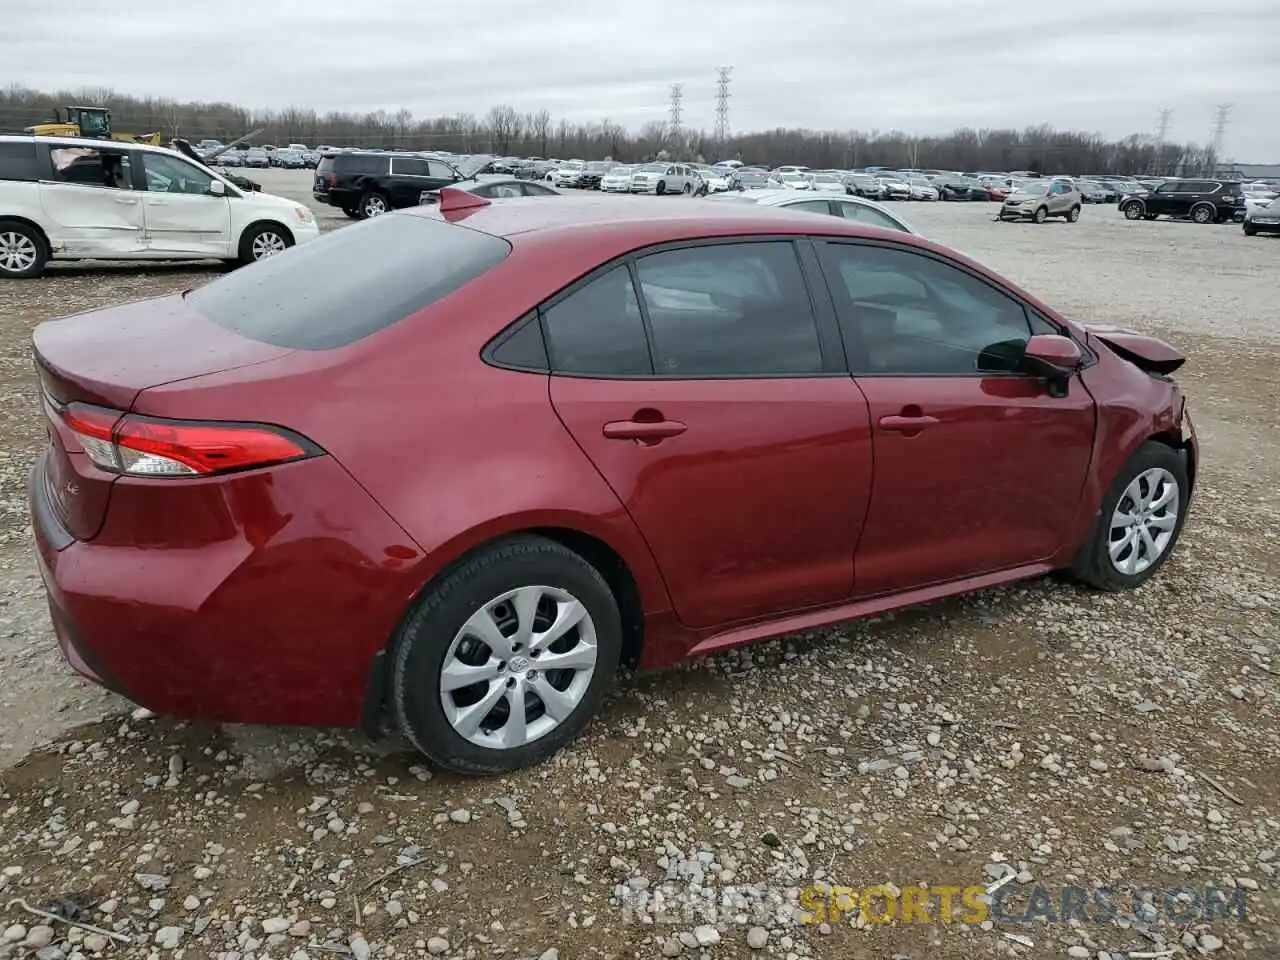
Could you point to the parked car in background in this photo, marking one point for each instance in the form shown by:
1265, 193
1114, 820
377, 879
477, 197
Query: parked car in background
618, 179
952, 187
257, 157
65, 198
592, 173
1091, 191
1039, 200
715, 178
1203, 201
496, 187
793, 180
921, 187
827, 181
863, 185
367, 184
662, 177
893, 186
847, 207
567, 174
676, 373
753, 180
1262, 216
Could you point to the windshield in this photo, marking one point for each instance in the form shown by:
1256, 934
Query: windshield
1033, 188
825, 178
626, 168
599, 167
793, 177
752, 178
654, 168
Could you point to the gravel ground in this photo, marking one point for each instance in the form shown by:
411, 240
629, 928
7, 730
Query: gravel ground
1063, 737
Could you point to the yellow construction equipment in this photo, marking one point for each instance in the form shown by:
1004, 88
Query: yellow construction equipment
92, 122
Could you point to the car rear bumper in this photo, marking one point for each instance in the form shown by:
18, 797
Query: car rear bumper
262, 598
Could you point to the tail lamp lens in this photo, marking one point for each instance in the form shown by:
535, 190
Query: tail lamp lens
151, 447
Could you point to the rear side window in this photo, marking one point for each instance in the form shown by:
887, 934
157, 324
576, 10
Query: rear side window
18, 161
361, 164
597, 331
350, 283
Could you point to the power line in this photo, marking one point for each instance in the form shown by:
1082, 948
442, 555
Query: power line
677, 103
1162, 132
722, 104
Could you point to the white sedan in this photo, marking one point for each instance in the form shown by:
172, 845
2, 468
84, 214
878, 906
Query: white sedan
618, 179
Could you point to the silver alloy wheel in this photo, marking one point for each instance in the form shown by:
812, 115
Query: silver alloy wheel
519, 667
1202, 214
1144, 520
267, 244
374, 206
1132, 211
18, 252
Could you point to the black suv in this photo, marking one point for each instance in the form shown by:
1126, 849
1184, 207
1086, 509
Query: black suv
367, 184
1204, 201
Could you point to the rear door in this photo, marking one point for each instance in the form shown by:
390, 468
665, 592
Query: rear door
89, 202
182, 216
717, 406
979, 468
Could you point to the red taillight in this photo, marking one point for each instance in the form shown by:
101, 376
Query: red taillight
147, 446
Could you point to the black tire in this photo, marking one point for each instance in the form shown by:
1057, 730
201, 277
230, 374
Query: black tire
261, 237
372, 204
352, 212
1204, 213
429, 630
1041, 214
661, 188
1133, 210
30, 254
688, 188
1093, 565
1250, 231
1073, 214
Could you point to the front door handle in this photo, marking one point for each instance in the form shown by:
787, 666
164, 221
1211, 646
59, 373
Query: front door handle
128, 200
645, 431
907, 424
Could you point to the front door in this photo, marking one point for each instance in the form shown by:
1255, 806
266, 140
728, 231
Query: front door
730, 433
977, 467
1163, 200
183, 217
90, 203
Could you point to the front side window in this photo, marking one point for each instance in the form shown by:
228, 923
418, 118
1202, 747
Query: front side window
91, 167
729, 310
909, 314
171, 175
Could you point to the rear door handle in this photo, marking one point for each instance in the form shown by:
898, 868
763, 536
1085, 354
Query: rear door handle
907, 424
646, 431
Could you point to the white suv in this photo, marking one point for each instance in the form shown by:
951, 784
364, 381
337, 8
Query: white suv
65, 198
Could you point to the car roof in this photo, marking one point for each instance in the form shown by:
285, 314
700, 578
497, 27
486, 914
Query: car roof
606, 226
84, 142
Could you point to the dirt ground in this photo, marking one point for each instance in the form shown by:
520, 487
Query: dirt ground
1069, 738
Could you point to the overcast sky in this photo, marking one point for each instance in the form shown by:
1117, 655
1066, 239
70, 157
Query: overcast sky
925, 66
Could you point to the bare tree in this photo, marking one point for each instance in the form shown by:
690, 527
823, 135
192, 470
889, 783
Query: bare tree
539, 128
503, 124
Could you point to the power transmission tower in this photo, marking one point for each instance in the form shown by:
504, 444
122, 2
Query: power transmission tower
1162, 132
722, 105
677, 103
1220, 118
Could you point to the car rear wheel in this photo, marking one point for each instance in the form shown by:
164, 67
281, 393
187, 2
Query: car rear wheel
507, 658
263, 241
1041, 214
1139, 520
1073, 214
1133, 210
372, 205
1204, 213
23, 255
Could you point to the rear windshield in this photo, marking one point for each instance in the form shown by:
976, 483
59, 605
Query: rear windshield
325, 164
350, 283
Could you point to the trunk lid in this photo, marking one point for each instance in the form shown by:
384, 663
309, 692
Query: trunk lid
106, 359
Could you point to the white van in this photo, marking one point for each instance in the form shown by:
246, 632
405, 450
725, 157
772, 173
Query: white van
70, 198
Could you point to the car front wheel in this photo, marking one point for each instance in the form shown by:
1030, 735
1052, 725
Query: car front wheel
507, 658
1133, 210
1139, 521
263, 241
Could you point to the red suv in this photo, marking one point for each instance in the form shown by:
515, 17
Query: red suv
451, 467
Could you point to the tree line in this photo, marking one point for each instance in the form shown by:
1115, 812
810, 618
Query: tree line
509, 132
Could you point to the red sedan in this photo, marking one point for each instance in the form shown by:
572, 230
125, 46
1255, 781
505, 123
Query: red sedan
449, 468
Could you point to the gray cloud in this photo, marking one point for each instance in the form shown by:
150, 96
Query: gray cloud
925, 66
